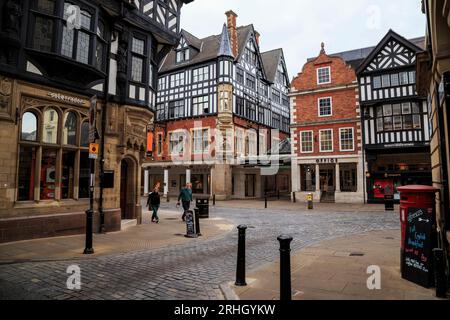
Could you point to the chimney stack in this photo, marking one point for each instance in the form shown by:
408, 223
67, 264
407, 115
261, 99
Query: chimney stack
231, 25
257, 35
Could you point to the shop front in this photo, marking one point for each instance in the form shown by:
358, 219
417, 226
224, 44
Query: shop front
332, 180
45, 150
394, 170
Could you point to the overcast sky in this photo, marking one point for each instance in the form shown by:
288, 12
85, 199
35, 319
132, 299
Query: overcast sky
299, 26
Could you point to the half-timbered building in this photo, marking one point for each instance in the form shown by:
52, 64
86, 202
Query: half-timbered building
220, 92
395, 122
56, 56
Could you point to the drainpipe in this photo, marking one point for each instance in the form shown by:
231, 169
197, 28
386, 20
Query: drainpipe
102, 228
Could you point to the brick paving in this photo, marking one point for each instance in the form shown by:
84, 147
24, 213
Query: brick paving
192, 270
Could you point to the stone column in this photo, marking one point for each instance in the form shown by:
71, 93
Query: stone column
317, 178
166, 182
188, 176
146, 181
338, 177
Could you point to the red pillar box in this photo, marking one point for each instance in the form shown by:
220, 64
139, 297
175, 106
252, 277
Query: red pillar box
418, 223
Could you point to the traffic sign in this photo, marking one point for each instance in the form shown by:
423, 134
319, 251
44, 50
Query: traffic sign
93, 151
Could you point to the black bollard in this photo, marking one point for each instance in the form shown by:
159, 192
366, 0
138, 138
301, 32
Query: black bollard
265, 201
439, 273
168, 199
197, 221
89, 221
214, 199
294, 198
285, 268
240, 270
278, 194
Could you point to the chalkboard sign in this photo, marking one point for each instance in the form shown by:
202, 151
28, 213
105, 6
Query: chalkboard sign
417, 257
190, 225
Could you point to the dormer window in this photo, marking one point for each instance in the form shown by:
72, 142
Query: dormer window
182, 55
324, 75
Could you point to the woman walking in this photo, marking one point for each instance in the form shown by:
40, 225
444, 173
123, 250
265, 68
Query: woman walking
153, 203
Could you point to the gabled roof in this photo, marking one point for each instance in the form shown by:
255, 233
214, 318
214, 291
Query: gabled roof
356, 57
191, 40
271, 60
391, 35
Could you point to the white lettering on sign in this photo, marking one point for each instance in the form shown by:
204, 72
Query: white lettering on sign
59, 96
327, 160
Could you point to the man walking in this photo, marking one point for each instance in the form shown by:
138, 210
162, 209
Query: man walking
186, 198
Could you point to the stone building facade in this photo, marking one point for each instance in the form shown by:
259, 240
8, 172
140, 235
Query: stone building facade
433, 81
57, 58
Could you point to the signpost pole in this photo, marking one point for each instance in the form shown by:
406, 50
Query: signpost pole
93, 154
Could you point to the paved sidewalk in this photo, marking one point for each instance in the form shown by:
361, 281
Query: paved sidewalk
328, 271
286, 204
170, 231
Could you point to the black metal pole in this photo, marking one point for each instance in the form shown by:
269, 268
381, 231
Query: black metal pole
265, 201
285, 268
240, 270
294, 198
90, 212
278, 194
214, 199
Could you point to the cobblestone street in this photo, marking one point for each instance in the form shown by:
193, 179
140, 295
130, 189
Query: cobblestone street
187, 271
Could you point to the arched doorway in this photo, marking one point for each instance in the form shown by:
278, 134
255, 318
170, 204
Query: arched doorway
128, 189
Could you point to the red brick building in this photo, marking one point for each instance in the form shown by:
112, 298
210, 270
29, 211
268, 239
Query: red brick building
326, 130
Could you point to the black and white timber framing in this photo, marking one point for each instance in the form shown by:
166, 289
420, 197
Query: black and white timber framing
393, 114
192, 72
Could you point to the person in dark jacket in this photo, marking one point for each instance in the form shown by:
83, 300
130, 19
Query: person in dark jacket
186, 199
153, 202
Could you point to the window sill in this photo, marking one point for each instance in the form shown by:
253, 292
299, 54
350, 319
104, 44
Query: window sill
48, 203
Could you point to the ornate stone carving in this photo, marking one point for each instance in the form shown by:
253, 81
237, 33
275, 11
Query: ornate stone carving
5, 94
122, 62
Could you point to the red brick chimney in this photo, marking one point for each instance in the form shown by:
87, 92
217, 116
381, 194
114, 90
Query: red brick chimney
257, 35
231, 25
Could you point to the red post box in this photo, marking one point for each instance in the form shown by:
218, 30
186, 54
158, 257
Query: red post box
418, 231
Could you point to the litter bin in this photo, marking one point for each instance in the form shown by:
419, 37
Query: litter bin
202, 203
418, 232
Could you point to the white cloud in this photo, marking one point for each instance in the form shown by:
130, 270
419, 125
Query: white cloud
299, 26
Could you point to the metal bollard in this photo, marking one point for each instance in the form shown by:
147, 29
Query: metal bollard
168, 199
285, 268
89, 222
265, 201
214, 199
278, 194
439, 273
294, 198
240, 270
197, 222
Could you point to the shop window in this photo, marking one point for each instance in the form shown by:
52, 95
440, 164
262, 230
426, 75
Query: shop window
70, 129
29, 127
197, 184
83, 178
68, 174
308, 177
48, 174
348, 177
51, 165
84, 134
27, 173
405, 116
200, 141
50, 130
